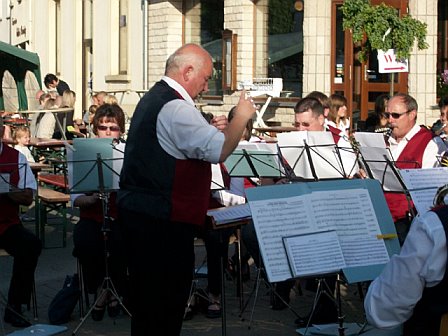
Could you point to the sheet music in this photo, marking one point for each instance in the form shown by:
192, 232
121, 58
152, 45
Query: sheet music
349, 212
230, 214
316, 253
323, 152
423, 184
4, 183
217, 180
263, 157
373, 150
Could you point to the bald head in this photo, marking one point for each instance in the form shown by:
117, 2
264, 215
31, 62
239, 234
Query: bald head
191, 66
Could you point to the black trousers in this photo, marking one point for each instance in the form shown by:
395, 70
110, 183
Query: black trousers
90, 248
25, 247
161, 260
217, 246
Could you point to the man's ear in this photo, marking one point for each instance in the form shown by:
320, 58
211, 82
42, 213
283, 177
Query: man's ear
321, 119
187, 73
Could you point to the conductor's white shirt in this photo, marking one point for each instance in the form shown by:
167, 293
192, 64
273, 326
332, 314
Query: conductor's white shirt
184, 133
421, 263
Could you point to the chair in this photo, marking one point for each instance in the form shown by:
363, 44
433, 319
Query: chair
3, 253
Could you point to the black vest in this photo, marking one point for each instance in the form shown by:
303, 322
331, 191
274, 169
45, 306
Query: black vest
153, 182
434, 302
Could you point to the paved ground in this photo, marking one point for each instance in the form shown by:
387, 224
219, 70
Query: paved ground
56, 263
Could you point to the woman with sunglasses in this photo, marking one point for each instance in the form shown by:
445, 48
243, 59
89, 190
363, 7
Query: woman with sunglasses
88, 239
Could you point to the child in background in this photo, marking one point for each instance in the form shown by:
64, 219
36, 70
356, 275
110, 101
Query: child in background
22, 136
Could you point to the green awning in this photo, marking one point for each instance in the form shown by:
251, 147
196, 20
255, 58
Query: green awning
18, 62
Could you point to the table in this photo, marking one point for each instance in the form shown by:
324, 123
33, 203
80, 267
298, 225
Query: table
62, 128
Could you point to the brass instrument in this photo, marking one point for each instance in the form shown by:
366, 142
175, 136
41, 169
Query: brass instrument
439, 198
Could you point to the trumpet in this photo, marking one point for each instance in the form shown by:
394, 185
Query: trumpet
439, 198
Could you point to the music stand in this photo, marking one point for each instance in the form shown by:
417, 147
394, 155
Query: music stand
97, 172
307, 211
313, 156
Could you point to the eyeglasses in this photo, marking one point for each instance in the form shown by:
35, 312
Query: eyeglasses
394, 115
111, 128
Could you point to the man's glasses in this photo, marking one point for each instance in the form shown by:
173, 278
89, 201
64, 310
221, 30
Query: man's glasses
111, 128
394, 115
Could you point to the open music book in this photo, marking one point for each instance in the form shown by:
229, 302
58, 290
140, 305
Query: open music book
344, 207
230, 214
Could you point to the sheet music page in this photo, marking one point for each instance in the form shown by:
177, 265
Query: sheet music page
117, 164
370, 139
217, 181
4, 183
350, 212
273, 220
423, 184
323, 154
230, 214
316, 253
263, 157
381, 171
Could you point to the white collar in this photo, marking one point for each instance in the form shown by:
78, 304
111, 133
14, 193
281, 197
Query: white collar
179, 88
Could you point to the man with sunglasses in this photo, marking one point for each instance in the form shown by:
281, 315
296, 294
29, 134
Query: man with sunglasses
412, 146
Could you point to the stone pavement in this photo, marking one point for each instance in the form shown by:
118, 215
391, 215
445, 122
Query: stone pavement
56, 263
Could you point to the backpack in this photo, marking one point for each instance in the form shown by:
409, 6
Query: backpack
62, 305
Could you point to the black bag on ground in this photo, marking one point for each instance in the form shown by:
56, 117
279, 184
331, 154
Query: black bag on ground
62, 305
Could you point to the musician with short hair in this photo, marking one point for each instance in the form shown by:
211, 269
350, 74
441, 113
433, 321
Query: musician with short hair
411, 146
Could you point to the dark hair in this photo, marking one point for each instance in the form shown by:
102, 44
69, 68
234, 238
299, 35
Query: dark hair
249, 125
309, 103
380, 103
110, 112
321, 97
49, 78
443, 102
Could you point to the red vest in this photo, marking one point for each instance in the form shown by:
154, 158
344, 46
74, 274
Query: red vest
9, 210
411, 155
95, 212
335, 132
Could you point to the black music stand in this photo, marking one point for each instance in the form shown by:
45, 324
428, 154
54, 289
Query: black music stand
107, 285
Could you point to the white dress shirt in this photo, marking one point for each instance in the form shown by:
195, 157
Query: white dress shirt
431, 157
184, 133
421, 263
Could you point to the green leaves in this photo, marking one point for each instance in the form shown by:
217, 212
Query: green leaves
372, 22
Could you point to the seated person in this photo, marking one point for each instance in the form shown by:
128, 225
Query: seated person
19, 242
412, 288
88, 236
217, 241
440, 127
43, 124
21, 137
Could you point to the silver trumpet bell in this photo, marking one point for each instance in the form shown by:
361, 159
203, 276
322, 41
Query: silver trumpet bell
439, 198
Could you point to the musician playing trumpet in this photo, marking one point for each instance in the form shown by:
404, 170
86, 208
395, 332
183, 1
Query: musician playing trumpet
412, 146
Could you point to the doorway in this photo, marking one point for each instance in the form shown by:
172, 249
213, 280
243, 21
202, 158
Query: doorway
360, 83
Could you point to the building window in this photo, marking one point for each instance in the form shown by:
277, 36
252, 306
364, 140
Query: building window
204, 23
123, 38
285, 44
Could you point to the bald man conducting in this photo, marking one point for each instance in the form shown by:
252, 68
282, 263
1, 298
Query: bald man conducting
165, 187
